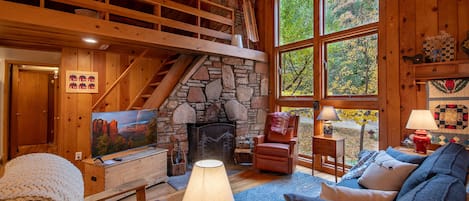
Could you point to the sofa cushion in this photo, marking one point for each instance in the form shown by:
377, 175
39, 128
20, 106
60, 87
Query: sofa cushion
386, 173
451, 159
439, 188
273, 149
404, 157
340, 193
351, 183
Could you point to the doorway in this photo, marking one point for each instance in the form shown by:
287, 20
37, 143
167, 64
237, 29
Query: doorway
33, 95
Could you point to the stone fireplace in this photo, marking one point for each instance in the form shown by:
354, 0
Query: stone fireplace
221, 89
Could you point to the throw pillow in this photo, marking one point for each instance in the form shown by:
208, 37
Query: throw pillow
408, 158
341, 193
386, 173
279, 122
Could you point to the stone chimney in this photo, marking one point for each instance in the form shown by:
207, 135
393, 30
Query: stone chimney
222, 89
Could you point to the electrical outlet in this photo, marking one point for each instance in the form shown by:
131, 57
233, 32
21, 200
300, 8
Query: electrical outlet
78, 156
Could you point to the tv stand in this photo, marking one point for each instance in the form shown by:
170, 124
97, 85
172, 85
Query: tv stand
148, 163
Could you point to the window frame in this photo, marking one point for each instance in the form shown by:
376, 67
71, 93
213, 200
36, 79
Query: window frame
347, 35
279, 69
319, 42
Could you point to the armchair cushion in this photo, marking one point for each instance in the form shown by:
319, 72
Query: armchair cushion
273, 149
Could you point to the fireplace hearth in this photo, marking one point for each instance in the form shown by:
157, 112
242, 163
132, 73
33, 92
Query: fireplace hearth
211, 141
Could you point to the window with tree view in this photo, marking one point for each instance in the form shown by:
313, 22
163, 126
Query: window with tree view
344, 41
352, 68
360, 129
295, 20
296, 72
344, 14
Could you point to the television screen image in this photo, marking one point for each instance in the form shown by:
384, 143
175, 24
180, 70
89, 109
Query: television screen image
118, 131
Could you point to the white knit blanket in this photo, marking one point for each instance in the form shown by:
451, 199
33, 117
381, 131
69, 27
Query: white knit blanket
41, 175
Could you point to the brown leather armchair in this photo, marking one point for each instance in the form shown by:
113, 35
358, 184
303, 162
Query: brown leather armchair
274, 151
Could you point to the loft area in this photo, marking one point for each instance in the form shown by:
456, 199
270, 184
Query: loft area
153, 8
177, 11
164, 27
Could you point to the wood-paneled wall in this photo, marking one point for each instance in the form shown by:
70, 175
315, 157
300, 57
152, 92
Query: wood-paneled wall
74, 123
419, 19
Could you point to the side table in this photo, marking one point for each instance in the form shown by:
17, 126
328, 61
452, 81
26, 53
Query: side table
243, 156
329, 146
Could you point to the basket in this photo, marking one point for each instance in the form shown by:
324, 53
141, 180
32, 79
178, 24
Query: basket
177, 168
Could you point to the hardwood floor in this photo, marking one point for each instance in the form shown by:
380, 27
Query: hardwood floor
241, 181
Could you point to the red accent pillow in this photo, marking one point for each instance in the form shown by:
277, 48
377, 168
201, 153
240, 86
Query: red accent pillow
279, 122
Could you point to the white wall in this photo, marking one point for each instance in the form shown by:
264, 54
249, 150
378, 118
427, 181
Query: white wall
10, 54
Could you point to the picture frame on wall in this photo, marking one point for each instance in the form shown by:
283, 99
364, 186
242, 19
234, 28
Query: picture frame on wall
81, 82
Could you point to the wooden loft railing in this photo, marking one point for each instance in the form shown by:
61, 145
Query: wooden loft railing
157, 21
53, 23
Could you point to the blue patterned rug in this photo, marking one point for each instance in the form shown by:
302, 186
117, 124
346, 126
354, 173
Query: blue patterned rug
180, 182
299, 183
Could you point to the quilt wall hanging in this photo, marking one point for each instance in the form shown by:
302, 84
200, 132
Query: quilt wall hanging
449, 102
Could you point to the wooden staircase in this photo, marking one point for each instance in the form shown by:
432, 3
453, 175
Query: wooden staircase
160, 86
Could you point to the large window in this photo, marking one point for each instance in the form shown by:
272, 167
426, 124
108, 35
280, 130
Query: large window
352, 68
360, 130
297, 72
344, 14
295, 22
329, 57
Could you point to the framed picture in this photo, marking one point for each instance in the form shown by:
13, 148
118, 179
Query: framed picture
81, 82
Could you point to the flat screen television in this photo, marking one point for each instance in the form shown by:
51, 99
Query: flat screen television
118, 131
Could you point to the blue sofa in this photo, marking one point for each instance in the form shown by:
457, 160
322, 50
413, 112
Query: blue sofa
439, 177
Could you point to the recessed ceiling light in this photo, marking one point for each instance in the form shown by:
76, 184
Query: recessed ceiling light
90, 40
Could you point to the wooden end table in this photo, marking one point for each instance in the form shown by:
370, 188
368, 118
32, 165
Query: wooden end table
329, 146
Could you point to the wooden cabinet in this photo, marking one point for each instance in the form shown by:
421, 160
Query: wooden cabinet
441, 70
329, 146
145, 163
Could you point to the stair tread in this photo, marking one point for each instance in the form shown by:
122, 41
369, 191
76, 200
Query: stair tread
146, 95
164, 72
172, 61
154, 84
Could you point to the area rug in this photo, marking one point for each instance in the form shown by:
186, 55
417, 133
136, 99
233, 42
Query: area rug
180, 182
299, 183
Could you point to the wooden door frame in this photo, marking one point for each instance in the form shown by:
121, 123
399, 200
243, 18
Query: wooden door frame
6, 104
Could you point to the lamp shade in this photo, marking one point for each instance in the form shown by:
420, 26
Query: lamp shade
208, 182
421, 120
328, 113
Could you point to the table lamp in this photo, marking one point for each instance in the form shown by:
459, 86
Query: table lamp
327, 115
421, 120
208, 182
